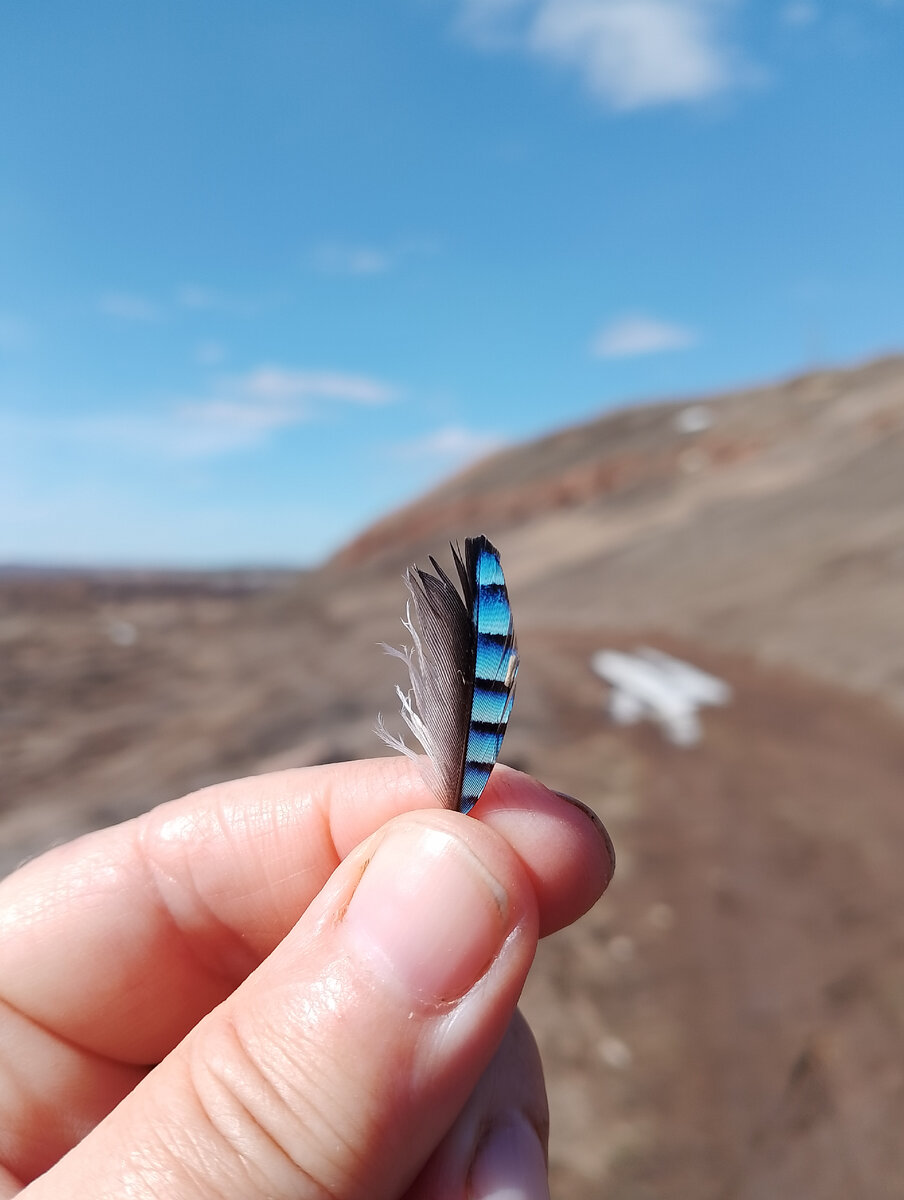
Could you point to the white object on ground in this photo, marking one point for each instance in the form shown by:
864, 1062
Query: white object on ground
654, 686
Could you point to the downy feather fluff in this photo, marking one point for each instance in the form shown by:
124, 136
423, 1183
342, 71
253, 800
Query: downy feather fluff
462, 663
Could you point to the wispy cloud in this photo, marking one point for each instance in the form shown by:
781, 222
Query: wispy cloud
197, 297
129, 306
450, 444
207, 428
629, 53
244, 410
337, 259
185, 299
635, 334
348, 258
193, 295
285, 383
238, 413
799, 13
493, 24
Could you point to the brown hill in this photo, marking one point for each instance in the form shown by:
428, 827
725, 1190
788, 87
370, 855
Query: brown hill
770, 520
730, 1021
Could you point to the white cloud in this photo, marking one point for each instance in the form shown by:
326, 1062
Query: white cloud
129, 306
204, 429
284, 383
337, 259
799, 13
633, 335
192, 295
344, 258
187, 298
452, 443
184, 431
491, 24
245, 410
634, 52
629, 53
239, 413
196, 297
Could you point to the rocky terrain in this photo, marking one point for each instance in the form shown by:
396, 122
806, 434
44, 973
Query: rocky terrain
729, 1021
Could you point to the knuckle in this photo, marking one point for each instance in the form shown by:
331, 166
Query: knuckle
268, 1114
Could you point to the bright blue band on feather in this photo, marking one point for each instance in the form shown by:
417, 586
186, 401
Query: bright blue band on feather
483, 746
489, 569
488, 706
494, 613
492, 657
492, 696
475, 780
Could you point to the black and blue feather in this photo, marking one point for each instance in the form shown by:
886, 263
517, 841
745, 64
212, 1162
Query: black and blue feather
462, 664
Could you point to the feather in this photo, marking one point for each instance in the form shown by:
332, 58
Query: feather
462, 663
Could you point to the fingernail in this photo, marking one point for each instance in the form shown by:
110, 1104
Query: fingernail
429, 908
510, 1163
597, 824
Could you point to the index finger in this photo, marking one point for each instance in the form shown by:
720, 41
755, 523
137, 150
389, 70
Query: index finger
120, 942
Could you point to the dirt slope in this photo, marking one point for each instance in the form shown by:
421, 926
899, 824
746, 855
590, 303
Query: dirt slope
770, 520
730, 1021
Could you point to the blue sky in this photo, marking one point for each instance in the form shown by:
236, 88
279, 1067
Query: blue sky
268, 270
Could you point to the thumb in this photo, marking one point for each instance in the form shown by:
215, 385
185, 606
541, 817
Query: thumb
337, 1067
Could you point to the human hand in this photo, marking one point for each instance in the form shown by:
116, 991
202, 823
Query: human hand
325, 975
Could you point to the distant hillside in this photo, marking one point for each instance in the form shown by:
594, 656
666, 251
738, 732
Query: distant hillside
29, 579
770, 520
631, 454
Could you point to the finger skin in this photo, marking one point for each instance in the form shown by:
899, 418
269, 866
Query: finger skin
338, 1066
160, 918
51, 1095
510, 1088
114, 947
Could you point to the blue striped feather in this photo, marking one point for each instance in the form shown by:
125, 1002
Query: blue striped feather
462, 662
